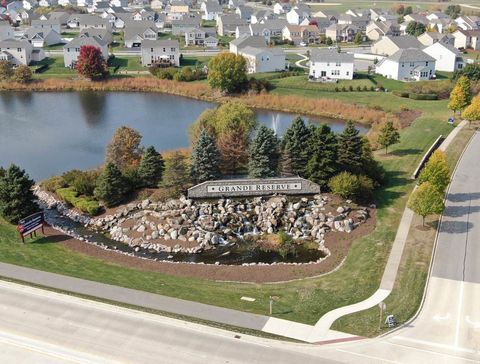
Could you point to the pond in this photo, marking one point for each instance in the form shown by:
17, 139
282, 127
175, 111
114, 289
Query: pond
48, 133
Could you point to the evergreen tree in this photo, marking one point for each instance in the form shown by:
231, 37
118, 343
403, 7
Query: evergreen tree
415, 28
175, 175
264, 155
371, 167
151, 168
205, 159
350, 149
322, 164
111, 186
389, 135
295, 147
16, 196
233, 147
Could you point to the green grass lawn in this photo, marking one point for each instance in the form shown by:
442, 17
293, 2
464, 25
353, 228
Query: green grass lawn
56, 68
126, 63
302, 83
304, 301
52, 47
194, 61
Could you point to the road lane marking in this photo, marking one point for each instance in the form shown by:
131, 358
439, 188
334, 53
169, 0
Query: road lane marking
436, 352
442, 318
434, 344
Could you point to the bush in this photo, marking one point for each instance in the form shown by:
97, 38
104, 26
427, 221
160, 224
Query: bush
423, 96
350, 88
84, 204
365, 88
348, 185
83, 181
401, 93
258, 86
53, 184
23, 74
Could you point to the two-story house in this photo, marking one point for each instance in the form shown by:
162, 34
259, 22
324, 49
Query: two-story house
71, 50
409, 64
166, 52
330, 64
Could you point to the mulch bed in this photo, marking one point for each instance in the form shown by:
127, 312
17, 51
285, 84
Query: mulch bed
338, 243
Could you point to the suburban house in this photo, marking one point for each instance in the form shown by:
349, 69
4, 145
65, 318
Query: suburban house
389, 45
6, 31
197, 36
233, 4
71, 50
419, 18
47, 24
211, 42
211, 10
263, 59
409, 64
441, 25
134, 36
360, 22
40, 38
469, 22
244, 12
17, 52
84, 21
227, 24
429, 38
59, 16
447, 57
165, 52
308, 34
281, 8
298, 14
104, 34
247, 41
378, 29
261, 15
330, 64
331, 16
179, 26
341, 32
467, 39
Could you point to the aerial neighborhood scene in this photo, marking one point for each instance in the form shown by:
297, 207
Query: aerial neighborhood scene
232, 181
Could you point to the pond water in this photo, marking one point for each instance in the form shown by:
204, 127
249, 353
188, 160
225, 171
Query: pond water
48, 133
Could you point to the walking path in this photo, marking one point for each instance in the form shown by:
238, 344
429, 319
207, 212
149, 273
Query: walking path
299, 62
320, 332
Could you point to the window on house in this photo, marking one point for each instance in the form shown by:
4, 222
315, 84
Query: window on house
412, 64
426, 63
164, 49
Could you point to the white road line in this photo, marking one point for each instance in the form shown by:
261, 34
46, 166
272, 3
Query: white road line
434, 344
460, 304
434, 352
383, 360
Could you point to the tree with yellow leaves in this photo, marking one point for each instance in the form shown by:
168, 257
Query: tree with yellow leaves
472, 112
460, 96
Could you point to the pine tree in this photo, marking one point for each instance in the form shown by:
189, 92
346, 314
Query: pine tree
233, 147
388, 136
461, 95
151, 168
350, 149
323, 156
16, 196
295, 147
176, 175
205, 159
111, 186
264, 155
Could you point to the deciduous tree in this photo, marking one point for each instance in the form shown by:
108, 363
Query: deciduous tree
388, 135
23, 74
151, 168
16, 196
472, 112
436, 171
227, 72
205, 159
91, 64
176, 174
415, 28
264, 154
111, 186
233, 147
6, 71
426, 200
461, 95
124, 149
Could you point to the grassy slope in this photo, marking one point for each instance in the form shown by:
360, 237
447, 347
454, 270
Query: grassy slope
303, 301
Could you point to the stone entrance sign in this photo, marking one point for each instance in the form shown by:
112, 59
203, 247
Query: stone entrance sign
253, 187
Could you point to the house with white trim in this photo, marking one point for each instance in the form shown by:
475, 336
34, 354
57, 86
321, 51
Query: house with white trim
330, 64
263, 59
160, 52
447, 57
409, 64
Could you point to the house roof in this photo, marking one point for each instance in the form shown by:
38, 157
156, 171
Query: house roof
132, 32
13, 43
410, 55
87, 19
148, 43
404, 41
249, 41
86, 41
446, 46
254, 51
30, 33
329, 55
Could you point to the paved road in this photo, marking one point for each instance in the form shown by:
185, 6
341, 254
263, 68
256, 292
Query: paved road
42, 325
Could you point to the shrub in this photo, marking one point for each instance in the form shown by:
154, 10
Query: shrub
350, 88
401, 93
344, 89
365, 88
83, 181
423, 96
344, 184
372, 88
6, 71
23, 74
337, 89
84, 204
53, 183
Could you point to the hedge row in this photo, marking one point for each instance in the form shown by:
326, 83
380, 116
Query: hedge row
84, 204
415, 96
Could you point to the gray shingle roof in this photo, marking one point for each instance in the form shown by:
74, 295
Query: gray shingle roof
84, 41
410, 55
147, 43
329, 55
